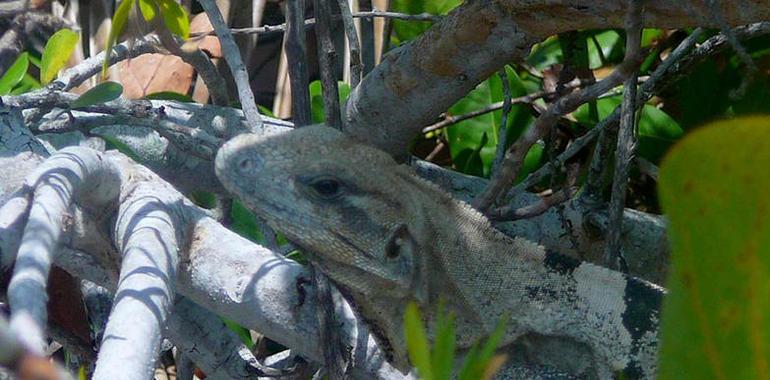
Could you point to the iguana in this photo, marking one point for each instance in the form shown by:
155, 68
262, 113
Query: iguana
387, 237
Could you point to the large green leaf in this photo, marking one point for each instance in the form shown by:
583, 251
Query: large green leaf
465, 137
14, 74
175, 17
147, 7
472, 142
716, 318
56, 53
101, 93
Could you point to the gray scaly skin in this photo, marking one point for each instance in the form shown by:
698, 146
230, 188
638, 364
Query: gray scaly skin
387, 237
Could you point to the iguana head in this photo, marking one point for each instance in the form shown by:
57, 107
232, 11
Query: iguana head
345, 204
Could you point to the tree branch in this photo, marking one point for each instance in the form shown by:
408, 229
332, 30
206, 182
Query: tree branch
422, 79
613, 256
233, 57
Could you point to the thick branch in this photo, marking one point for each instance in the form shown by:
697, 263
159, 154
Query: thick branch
419, 81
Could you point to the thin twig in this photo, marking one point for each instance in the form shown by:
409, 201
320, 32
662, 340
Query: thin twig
233, 57
327, 58
509, 213
280, 28
525, 99
296, 56
658, 79
514, 156
436, 150
454, 119
502, 132
79, 73
740, 50
647, 168
613, 257
198, 60
356, 67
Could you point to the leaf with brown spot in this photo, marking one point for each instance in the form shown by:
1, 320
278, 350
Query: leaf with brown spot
714, 188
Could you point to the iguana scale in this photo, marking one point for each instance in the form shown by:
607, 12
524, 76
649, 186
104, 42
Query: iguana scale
387, 237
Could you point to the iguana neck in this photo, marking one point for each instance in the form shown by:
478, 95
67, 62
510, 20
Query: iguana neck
540, 292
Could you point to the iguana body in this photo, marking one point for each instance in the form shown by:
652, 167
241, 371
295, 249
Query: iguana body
387, 237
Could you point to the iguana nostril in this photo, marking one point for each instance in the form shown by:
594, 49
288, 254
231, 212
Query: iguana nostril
249, 164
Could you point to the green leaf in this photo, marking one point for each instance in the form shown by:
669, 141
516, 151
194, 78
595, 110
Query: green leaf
175, 18
611, 46
468, 371
466, 138
204, 199
120, 146
147, 7
169, 95
716, 317
119, 20
317, 99
244, 223
14, 74
477, 359
56, 53
417, 342
101, 93
531, 161
444, 345
265, 111
470, 161
27, 83
545, 53
490, 346
243, 333
35, 61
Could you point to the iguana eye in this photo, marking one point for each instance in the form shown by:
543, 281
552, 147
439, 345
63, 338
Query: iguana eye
328, 188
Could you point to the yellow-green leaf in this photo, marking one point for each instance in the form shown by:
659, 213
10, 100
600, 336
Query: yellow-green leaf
14, 74
119, 20
56, 53
101, 93
417, 342
716, 318
175, 18
147, 7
